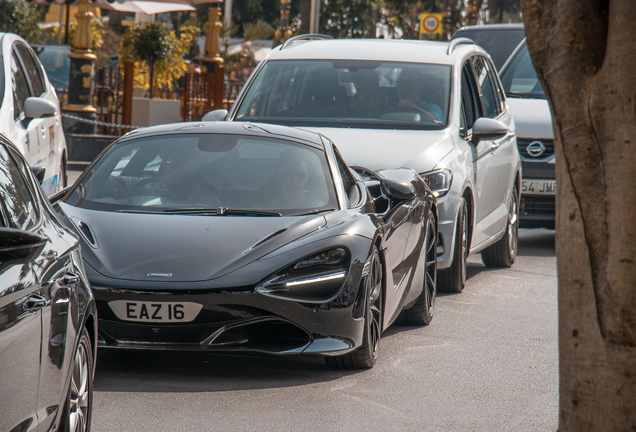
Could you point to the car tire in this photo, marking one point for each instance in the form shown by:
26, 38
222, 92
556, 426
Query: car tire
76, 415
421, 313
453, 279
365, 356
503, 253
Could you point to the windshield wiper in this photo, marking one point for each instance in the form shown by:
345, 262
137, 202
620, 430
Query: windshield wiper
312, 212
222, 211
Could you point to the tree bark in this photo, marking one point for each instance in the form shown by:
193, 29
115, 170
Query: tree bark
304, 8
586, 60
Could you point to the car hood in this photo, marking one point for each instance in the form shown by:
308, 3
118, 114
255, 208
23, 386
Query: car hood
532, 117
180, 248
378, 148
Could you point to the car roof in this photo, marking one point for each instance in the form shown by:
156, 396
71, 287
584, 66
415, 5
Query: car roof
366, 49
223, 127
494, 27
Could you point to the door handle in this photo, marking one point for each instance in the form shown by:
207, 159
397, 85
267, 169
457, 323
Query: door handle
68, 279
35, 302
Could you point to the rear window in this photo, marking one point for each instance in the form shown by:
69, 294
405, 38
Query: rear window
498, 43
349, 93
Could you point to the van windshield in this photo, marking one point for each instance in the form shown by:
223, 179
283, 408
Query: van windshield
349, 93
519, 79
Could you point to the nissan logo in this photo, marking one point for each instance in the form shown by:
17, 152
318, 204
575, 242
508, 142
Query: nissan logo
535, 148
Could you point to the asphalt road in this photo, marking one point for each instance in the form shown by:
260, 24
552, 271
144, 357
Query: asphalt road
487, 362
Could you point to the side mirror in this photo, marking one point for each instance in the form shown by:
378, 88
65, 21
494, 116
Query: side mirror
488, 129
17, 246
35, 107
38, 172
398, 190
216, 115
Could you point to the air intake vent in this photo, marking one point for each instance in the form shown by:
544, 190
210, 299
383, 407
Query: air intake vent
86, 232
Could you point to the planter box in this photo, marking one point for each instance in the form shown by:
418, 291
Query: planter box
151, 112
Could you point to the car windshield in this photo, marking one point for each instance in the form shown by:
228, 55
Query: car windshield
192, 172
519, 79
349, 93
498, 43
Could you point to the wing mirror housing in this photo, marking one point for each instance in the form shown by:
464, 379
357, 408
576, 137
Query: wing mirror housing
38, 172
398, 190
488, 129
35, 107
18, 247
216, 115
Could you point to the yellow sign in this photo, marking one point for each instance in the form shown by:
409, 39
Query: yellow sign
430, 23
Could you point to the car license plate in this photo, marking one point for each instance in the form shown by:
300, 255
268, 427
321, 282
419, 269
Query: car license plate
538, 187
156, 312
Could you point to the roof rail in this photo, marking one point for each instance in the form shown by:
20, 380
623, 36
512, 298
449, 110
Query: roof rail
453, 44
309, 36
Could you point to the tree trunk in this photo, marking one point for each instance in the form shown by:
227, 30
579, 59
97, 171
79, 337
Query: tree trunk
152, 79
304, 8
585, 57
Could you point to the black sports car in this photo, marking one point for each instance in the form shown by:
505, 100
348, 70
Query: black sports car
48, 318
247, 237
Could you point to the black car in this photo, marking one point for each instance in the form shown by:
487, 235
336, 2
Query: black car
499, 40
48, 319
240, 237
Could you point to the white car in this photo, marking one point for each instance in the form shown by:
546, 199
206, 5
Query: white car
435, 107
30, 112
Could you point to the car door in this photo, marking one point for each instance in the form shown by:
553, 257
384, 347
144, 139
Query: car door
481, 152
44, 127
54, 269
20, 309
25, 133
501, 165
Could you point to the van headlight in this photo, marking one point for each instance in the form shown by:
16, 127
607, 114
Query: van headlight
439, 181
313, 279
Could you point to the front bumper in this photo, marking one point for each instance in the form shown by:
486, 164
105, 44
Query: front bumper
237, 320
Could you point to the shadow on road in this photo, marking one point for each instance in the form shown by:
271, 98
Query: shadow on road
146, 371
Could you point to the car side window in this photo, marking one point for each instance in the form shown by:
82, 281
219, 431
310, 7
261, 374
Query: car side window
491, 105
19, 85
350, 185
14, 191
33, 69
470, 96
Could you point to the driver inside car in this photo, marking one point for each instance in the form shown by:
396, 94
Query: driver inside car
410, 85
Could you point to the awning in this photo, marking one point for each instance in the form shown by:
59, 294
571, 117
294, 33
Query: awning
147, 7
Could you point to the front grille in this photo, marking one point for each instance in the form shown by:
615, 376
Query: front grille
523, 143
538, 204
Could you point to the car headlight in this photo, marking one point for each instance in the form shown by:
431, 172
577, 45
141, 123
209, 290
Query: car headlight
314, 279
439, 181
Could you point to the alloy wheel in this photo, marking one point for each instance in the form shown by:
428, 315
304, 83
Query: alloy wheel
431, 265
375, 302
513, 226
80, 391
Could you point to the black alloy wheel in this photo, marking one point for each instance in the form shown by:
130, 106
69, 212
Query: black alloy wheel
421, 313
504, 253
453, 279
367, 353
76, 416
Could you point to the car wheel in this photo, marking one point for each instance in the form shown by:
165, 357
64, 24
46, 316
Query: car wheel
366, 355
453, 279
421, 313
76, 416
504, 252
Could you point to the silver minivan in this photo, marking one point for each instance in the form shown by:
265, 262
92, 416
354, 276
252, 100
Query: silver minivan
432, 106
